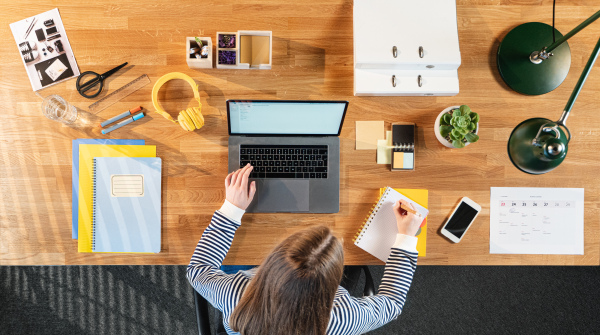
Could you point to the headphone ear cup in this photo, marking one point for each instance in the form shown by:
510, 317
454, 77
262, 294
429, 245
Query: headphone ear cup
184, 120
196, 116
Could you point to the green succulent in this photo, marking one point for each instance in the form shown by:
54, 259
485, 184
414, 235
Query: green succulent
460, 125
199, 42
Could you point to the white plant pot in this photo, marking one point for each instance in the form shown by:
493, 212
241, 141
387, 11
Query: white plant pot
436, 128
199, 63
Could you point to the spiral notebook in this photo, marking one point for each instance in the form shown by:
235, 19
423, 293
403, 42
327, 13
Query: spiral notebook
126, 204
378, 233
87, 152
75, 174
403, 153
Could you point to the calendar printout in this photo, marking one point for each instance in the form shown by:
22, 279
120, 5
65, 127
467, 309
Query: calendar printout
536, 220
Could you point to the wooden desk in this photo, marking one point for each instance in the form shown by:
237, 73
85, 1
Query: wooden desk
312, 46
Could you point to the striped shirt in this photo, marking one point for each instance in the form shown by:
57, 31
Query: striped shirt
349, 315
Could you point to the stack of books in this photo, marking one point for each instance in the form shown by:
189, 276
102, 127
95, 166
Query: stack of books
116, 196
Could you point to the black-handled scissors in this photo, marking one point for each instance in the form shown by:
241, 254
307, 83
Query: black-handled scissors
97, 80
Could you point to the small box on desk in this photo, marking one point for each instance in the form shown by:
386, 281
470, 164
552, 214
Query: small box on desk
245, 49
255, 49
205, 61
227, 50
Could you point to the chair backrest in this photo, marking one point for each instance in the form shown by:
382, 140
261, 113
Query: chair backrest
202, 318
351, 274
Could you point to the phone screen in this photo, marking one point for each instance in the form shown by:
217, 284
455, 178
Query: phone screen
459, 222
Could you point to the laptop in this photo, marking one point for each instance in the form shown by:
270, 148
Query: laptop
294, 147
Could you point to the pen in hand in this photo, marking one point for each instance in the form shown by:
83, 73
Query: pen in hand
410, 210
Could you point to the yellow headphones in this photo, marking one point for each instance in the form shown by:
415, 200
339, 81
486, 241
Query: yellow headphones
189, 119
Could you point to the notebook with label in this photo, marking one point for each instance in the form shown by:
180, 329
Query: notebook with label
87, 153
75, 174
127, 204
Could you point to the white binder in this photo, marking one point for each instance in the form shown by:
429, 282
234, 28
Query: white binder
405, 47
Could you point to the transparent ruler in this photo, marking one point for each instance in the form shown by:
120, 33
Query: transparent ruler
119, 94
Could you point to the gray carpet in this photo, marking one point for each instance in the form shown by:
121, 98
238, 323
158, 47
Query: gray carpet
158, 300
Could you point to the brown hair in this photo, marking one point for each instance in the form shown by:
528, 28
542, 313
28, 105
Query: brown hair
294, 287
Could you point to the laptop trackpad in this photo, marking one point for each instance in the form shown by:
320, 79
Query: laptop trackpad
282, 196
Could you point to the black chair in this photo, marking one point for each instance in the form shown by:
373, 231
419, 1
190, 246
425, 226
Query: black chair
349, 281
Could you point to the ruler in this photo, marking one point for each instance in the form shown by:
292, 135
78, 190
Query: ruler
119, 94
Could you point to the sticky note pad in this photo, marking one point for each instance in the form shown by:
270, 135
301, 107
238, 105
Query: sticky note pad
398, 162
384, 149
403, 160
367, 134
383, 152
409, 160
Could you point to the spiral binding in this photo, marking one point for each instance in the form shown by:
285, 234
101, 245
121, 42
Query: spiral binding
93, 204
368, 219
408, 147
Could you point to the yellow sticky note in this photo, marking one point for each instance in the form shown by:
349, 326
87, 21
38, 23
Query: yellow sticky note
383, 152
367, 134
398, 160
384, 149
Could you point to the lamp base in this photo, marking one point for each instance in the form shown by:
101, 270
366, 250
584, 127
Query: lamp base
517, 70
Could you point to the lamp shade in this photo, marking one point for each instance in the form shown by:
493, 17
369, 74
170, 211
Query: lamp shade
537, 145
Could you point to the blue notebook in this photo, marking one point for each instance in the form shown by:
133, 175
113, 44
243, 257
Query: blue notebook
126, 206
75, 174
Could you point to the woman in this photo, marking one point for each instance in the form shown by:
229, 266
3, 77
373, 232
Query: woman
296, 288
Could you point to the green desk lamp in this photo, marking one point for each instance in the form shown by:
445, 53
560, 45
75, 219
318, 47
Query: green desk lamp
539, 145
524, 60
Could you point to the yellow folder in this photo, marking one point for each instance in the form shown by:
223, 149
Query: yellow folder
87, 152
421, 197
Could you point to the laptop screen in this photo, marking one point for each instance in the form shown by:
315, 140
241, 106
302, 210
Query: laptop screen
280, 117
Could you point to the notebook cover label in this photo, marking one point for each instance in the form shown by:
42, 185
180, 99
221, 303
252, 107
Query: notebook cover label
127, 185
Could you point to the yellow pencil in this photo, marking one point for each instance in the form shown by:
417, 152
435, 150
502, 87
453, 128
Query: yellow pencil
410, 210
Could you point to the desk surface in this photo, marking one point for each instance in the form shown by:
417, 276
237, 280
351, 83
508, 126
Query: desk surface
312, 59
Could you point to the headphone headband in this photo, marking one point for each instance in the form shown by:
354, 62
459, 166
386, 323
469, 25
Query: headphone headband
189, 119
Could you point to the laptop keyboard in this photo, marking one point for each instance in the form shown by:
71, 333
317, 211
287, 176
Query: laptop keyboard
285, 161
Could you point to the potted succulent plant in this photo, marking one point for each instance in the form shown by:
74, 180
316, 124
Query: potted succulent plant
457, 126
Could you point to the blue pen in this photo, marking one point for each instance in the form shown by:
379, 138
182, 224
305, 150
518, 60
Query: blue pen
120, 116
123, 123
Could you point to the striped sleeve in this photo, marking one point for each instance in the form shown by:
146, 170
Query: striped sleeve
351, 315
204, 272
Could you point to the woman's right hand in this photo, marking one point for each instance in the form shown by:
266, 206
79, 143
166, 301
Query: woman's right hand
408, 223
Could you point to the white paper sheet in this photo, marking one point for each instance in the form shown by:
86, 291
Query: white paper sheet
536, 220
56, 69
36, 63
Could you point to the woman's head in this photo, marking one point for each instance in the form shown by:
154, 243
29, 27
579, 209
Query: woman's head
294, 288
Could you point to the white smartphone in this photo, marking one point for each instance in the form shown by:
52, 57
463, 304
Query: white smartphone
459, 222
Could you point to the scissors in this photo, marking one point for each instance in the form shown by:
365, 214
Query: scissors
97, 80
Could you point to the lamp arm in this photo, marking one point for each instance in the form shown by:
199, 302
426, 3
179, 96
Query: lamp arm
577, 29
537, 57
586, 71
